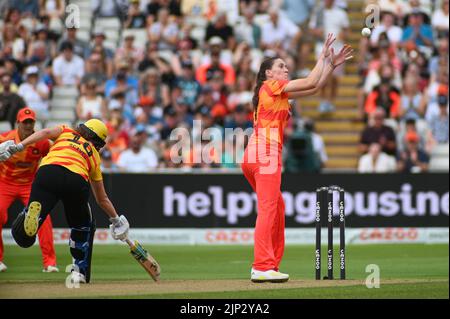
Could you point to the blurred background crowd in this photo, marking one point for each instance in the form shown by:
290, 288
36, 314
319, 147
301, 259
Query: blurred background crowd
146, 67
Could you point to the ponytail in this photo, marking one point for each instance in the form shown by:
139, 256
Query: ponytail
260, 78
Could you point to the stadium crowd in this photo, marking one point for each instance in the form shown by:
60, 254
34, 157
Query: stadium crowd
143, 93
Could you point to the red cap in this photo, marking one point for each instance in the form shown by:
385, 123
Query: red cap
146, 101
25, 114
412, 137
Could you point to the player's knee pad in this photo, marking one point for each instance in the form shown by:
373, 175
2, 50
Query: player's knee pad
18, 232
81, 241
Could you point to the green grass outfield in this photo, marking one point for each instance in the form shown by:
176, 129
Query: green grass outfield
406, 271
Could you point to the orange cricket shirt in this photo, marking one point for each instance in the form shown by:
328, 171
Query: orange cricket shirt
21, 168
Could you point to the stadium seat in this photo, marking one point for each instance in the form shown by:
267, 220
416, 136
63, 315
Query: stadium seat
4, 126
67, 91
61, 114
57, 123
439, 158
108, 23
83, 35
196, 21
63, 103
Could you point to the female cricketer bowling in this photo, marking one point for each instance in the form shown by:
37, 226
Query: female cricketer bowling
262, 159
72, 163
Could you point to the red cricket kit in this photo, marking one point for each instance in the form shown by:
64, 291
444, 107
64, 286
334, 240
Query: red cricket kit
16, 177
262, 168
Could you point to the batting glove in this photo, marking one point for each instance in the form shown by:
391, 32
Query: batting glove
15, 148
119, 227
5, 155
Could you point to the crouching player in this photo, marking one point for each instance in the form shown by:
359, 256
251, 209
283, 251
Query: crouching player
72, 163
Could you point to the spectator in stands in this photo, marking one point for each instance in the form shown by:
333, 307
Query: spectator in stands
152, 86
241, 94
95, 70
190, 87
11, 38
79, 46
384, 96
440, 61
330, 19
299, 12
184, 56
3, 70
439, 123
436, 88
27, 8
118, 129
173, 6
205, 72
123, 83
171, 122
411, 100
397, 7
220, 28
99, 37
152, 59
413, 159
246, 30
317, 141
55, 10
164, 32
91, 104
216, 46
35, 93
375, 161
388, 26
440, 20
379, 133
279, 34
416, 34
239, 119
136, 19
109, 8
182, 109
41, 35
129, 52
107, 165
419, 127
300, 155
68, 68
10, 102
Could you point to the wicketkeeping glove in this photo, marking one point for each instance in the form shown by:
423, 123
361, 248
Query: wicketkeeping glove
13, 149
119, 227
4, 153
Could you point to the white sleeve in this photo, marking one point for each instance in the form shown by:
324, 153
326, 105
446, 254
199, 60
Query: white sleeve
345, 23
122, 160
152, 159
80, 71
57, 67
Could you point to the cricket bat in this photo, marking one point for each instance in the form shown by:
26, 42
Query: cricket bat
144, 259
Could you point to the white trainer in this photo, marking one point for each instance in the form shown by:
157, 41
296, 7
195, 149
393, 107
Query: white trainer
268, 276
3, 267
77, 278
50, 269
